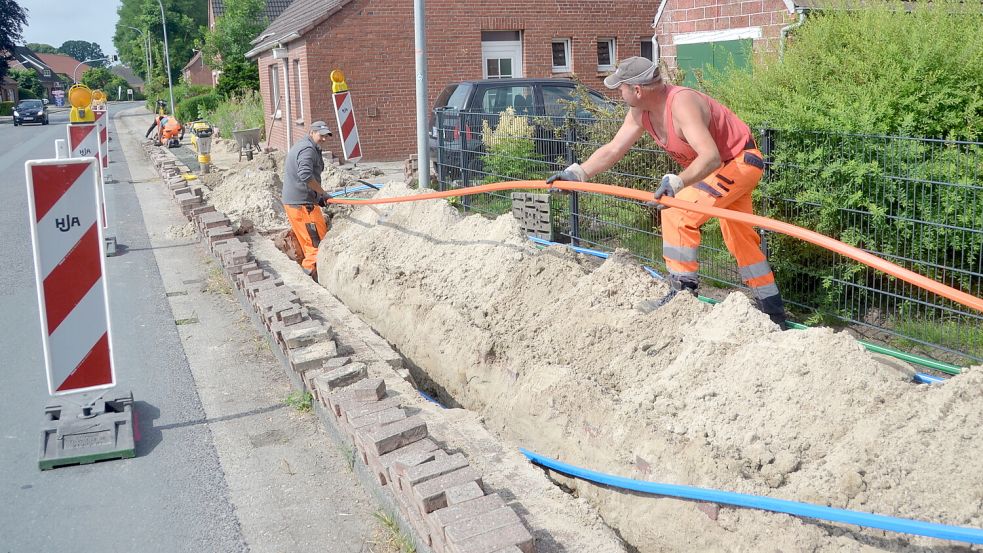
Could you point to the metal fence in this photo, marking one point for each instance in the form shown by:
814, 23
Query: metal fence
915, 202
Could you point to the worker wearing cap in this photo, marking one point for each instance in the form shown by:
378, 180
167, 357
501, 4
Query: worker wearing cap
302, 194
721, 167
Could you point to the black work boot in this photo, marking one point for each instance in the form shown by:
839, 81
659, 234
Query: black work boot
775, 309
675, 286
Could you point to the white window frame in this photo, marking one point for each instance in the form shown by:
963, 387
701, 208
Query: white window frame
274, 73
300, 90
47, 73
613, 50
567, 51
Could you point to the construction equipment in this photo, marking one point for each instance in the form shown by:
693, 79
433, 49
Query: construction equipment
201, 141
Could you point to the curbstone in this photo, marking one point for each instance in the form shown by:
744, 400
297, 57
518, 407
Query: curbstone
430, 495
373, 389
442, 518
396, 435
346, 376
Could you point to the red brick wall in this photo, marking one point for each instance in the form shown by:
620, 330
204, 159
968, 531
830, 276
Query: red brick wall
198, 73
372, 42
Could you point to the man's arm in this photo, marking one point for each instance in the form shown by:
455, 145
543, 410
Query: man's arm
607, 155
691, 116
305, 169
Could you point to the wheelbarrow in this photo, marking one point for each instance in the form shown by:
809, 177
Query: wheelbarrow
247, 140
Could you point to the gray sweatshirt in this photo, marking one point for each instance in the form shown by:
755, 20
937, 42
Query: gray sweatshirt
304, 162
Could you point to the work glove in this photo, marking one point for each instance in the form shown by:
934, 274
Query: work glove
670, 185
574, 173
322, 200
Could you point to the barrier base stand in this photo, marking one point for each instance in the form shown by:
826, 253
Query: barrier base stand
75, 435
110, 246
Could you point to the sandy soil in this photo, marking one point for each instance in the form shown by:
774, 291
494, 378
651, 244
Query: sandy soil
545, 346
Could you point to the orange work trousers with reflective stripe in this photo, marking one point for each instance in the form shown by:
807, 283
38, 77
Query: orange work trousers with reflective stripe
309, 227
729, 187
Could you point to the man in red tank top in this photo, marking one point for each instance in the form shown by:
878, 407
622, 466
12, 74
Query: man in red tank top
721, 167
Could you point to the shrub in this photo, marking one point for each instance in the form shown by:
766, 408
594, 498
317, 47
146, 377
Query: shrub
239, 112
196, 107
511, 150
6, 108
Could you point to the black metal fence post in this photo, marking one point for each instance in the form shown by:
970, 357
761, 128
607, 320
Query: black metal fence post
464, 124
569, 139
441, 169
766, 149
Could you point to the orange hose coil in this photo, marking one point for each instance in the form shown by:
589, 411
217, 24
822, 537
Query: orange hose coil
826, 242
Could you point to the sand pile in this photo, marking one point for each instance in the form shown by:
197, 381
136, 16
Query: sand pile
249, 191
547, 347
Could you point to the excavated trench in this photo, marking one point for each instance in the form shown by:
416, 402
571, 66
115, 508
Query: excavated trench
546, 347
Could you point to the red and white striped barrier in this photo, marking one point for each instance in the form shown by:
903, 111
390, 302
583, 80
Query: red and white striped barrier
102, 121
69, 266
83, 141
345, 116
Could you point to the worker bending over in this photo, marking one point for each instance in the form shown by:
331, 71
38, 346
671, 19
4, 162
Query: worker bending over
169, 130
302, 194
721, 167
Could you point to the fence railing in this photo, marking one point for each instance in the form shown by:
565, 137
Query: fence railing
915, 202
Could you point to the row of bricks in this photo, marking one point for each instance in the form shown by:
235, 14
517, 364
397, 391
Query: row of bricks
441, 495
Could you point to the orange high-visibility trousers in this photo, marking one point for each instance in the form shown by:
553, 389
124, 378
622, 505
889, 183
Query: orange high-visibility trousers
309, 227
729, 187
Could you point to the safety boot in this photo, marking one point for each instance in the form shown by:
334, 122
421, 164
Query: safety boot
675, 286
775, 309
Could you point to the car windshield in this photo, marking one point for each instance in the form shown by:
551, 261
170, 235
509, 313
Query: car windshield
31, 104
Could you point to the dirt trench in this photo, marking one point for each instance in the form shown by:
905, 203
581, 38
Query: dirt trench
546, 347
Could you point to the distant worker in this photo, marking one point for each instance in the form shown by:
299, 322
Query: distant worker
302, 194
721, 167
169, 130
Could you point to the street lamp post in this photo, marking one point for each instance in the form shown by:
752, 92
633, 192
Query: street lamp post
80, 65
167, 56
146, 50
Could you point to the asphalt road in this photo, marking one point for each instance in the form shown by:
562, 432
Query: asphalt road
173, 496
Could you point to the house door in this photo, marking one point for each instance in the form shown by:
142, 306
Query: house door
501, 54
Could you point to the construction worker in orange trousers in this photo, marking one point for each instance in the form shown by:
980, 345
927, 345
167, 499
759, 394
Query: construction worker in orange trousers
722, 166
303, 196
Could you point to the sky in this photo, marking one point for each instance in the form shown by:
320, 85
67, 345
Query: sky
92, 21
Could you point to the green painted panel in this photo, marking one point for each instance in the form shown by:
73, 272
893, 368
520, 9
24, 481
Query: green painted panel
697, 58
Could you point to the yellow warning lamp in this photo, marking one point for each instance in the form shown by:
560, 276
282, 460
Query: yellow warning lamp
338, 81
80, 98
98, 97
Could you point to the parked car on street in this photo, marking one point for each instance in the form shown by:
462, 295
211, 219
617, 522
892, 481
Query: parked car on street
30, 111
461, 109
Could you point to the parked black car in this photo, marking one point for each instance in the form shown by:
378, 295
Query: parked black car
30, 111
461, 108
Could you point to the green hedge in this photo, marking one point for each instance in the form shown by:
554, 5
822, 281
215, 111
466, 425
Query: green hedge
6, 108
196, 107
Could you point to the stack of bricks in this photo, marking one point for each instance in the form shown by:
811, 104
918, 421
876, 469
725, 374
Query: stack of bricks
411, 167
532, 213
440, 494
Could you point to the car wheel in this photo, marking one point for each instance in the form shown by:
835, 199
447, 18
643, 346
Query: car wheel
16, 123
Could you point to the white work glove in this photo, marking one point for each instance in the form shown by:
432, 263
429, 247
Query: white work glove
670, 186
574, 173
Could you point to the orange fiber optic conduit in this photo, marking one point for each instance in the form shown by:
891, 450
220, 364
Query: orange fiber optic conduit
826, 242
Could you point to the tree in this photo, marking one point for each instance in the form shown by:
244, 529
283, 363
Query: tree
82, 50
12, 20
238, 75
97, 78
185, 21
41, 48
28, 82
226, 45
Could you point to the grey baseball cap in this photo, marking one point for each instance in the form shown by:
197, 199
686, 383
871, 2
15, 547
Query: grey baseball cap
633, 70
321, 127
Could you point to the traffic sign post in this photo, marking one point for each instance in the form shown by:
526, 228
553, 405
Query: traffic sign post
345, 115
81, 425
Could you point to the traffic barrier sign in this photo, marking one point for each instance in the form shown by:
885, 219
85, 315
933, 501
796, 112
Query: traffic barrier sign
345, 115
102, 121
83, 141
70, 272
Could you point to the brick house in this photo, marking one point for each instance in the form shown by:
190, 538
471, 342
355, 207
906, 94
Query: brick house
24, 58
371, 41
64, 65
8, 90
196, 72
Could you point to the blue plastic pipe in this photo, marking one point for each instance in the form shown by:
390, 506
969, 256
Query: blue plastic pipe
595, 253
868, 520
